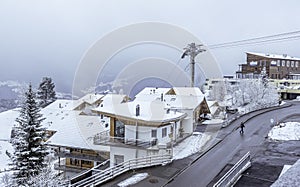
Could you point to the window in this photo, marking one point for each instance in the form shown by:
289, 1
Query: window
74, 162
292, 64
153, 133
296, 64
164, 132
287, 63
118, 159
75, 150
278, 62
86, 162
119, 128
283, 63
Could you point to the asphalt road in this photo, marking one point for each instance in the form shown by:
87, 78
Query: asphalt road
232, 147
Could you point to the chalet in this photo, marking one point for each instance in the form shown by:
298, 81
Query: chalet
139, 129
277, 66
156, 119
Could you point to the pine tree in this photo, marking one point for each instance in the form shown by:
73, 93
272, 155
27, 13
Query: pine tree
29, 148
46, 93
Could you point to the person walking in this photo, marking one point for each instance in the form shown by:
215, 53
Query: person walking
242, 127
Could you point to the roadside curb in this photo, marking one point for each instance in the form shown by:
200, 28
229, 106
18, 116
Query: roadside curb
193, 161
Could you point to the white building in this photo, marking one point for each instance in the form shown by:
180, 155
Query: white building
152, 123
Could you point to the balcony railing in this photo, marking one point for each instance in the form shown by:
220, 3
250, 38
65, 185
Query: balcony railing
104, 138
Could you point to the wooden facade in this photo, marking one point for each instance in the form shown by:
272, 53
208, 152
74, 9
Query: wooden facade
80, 159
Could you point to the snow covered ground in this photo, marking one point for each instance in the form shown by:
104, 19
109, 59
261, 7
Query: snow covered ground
7, 119
290, 177
284, 169
285, 131
190, 145
4, 146
133, 180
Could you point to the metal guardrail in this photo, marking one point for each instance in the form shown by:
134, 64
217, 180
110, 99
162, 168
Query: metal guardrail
105, 139
88, 173
235, 172
99, 177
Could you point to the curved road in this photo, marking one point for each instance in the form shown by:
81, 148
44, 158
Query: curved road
232, 147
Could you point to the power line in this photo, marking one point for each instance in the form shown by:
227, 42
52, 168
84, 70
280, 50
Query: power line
259, 40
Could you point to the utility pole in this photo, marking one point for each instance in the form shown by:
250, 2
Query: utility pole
192, 50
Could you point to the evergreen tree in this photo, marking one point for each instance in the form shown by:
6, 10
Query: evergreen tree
29, 148
46, 93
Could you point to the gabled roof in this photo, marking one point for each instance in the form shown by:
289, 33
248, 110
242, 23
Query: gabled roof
272, 56
183, 102
88, 98
185, 91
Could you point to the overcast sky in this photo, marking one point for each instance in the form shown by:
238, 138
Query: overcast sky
39, 38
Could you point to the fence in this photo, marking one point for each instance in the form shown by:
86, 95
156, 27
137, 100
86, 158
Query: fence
98, 177
234, 173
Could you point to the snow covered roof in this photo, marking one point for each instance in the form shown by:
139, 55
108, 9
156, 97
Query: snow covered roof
177, 97
74, 130
88, 98
149, 111
182, 102
60, 104
187, 91
61, 118
151, 94
290, 177
7, 121
272, 56
153, 91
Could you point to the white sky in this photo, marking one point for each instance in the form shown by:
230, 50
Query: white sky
39, 38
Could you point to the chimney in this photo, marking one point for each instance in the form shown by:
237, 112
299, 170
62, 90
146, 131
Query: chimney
137, 110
